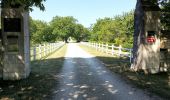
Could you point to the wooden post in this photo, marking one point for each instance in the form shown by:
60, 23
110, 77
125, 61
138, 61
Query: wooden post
53, 46
102, 47
40, 52
34, 53
120, 50
43, 50
106, 48
50, 47
112, 49
96, 46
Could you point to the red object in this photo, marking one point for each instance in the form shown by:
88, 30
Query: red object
151, 39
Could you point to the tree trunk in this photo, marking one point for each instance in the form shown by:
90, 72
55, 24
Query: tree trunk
1, 68
138, 36
66, 40
145, 55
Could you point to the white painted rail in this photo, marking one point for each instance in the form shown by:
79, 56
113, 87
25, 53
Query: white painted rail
111, 49
42, 50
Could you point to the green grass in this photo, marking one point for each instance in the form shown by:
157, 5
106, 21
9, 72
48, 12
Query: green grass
41, 83
158, 84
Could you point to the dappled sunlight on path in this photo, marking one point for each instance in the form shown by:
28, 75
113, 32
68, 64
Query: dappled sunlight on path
84, 77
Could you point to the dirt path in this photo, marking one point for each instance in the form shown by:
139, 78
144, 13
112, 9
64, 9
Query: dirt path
83, 77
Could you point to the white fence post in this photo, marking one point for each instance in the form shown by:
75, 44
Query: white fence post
40, 51
107, 48
120, 50
96, 46
34, 53
102, 47
44, 50
112, 49
51, 48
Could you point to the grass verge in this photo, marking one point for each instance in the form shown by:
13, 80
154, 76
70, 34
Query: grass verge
41, 83
158, 84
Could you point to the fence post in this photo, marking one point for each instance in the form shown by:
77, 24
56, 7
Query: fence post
97, 46
40, 52
112, 49
102, 47
120, 50
53, 47
106, 48
34, 53
44, 50
50, 47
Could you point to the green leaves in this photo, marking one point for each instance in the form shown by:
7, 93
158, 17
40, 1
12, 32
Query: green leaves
27, 4
41, 32
66, 27
60, 28
117, 30
165, 10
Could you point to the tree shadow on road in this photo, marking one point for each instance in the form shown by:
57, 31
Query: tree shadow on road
44, 79
155, 83
41, 84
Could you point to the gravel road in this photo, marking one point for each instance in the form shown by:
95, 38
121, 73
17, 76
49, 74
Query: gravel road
84, 77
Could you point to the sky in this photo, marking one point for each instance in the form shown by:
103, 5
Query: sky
85, 11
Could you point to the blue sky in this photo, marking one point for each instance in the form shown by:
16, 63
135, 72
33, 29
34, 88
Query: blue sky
85, 11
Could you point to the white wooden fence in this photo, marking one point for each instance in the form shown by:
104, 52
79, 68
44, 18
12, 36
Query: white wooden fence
42, 50
111, 49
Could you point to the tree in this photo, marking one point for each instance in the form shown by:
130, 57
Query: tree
145, 55
80, 33
64, 27
27, 4
117, 30
41, 32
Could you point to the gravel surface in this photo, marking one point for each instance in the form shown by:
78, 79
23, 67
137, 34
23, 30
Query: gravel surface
84, 77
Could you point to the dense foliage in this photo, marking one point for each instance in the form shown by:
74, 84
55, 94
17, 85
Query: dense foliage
165, 9
27, 4
117, 30
60, 28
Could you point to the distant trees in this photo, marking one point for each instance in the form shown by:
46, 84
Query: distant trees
41, 32
81, 33
117, 30
63, 27
60, 28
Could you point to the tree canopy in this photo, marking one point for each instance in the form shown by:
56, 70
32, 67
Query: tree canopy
117, 30
60, 28
165, 9
27, 4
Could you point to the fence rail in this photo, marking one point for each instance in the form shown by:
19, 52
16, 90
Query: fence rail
111, 49
42, 50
